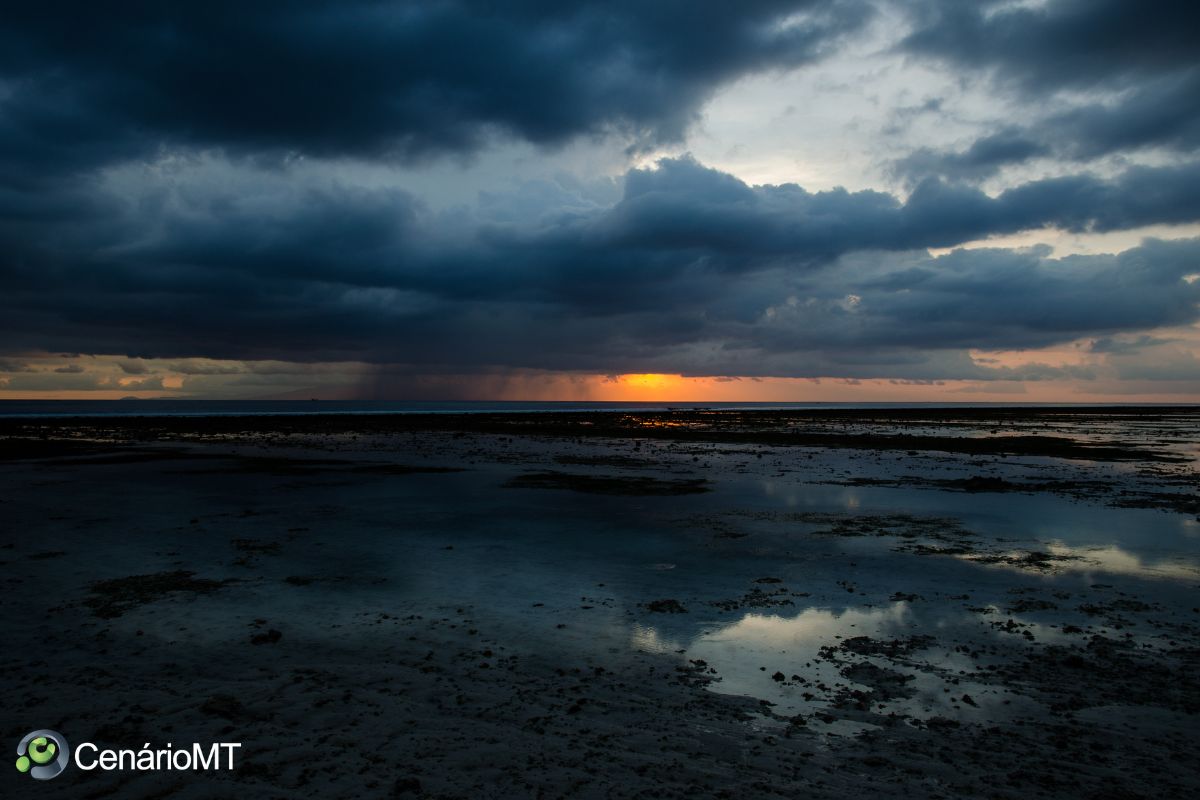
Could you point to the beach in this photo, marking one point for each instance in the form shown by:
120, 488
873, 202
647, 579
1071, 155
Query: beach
692, 603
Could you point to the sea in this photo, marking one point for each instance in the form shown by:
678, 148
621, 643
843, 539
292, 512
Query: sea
214, 408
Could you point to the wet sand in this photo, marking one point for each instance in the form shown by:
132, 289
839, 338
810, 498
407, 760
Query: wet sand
932, 603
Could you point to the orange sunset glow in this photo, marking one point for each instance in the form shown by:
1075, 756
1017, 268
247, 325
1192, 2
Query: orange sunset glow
105, 378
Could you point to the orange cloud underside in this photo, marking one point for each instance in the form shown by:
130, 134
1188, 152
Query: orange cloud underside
667, 388
106, 377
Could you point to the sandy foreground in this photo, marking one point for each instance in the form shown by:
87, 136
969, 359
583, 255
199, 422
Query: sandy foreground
856, 604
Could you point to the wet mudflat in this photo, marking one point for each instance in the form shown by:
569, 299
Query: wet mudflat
694, 604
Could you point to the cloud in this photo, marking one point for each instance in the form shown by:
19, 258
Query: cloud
193, 368
1160, 114
139, 385
236, 189
1094, 78
683, 212
77, 378
273, 80
54, 381
1079, 44
1167, 364
1126, 345
982, 159
691, 270
265, 265
134, 367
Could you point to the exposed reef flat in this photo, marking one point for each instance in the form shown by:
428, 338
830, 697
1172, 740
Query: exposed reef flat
990, 603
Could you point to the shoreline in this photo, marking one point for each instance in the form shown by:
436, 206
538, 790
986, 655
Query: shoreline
1000, 432
175, 409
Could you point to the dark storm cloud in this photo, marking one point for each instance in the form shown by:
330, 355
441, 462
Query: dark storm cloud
1123, 346
691, 270
11, 365
153, 202
1005, 299
684, 206
1140, 62
1162, 114
84, 84
981, 160
1078, 44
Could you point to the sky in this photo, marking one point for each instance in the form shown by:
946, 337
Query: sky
773, 200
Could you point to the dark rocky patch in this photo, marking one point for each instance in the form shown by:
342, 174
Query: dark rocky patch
885, 684
267, 637
1026, 604
757, 598
607, 484
889, 648
665, 606
404, 469
112, 598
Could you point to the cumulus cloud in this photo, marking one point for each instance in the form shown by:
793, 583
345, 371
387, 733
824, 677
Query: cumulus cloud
982, 159
690, 270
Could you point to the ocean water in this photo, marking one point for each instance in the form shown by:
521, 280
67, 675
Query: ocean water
206, 408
